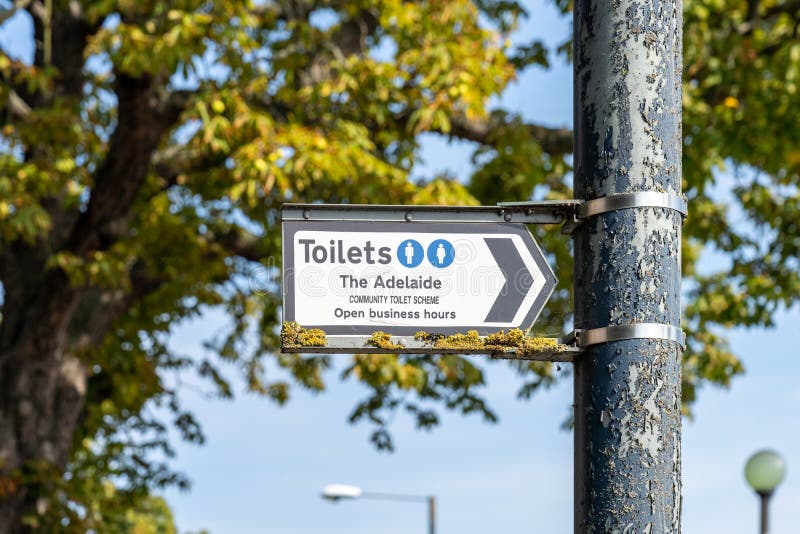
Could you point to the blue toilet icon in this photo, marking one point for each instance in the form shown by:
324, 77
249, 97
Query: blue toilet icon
410, 253
441, 253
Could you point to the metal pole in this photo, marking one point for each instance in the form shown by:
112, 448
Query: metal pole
431, 515
765, 496
627, 79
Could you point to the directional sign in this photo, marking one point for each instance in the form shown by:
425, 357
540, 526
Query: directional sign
355, 278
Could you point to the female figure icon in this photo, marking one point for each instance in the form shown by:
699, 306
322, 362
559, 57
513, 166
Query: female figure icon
440, 254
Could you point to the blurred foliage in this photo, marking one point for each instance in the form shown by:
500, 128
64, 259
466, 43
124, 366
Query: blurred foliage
741, 170
326, 100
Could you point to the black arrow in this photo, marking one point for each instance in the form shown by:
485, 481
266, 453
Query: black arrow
515, 271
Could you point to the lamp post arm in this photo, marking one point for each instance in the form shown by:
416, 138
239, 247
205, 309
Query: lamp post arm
394, 497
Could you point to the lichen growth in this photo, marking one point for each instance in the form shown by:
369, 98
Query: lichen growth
514, 340
541, 344
383, 340
470, 340
514, 337
425, 336
293, 335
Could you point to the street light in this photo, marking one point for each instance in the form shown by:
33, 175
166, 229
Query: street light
763, 472
336, 492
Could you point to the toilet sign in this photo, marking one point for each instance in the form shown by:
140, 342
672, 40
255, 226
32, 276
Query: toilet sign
356, 277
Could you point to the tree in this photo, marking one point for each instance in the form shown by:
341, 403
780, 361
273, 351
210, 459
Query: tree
148, 146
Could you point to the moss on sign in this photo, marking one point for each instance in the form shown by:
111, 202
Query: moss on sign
295, 336
383, 340
513, 340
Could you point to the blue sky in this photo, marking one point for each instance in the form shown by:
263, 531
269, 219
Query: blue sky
263, 466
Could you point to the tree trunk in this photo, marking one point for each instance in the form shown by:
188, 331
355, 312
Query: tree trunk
42, 388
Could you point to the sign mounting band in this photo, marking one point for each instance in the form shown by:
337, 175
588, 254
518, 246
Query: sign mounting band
657, 331
643, 199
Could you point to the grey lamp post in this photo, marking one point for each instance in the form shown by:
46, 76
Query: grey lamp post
764, 471
336, 492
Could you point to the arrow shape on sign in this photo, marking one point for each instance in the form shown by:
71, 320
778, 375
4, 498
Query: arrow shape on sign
518, 280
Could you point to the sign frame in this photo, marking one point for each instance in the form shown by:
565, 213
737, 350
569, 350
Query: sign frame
426, 219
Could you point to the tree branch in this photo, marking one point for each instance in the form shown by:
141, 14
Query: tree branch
752, 9
487, 131
10, 12
791, 9
17, 106
787, 8
145, 115
242, 243
101, 308
37, 9
349, 39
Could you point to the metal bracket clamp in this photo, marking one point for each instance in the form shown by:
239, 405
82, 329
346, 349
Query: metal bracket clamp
595, 336
642, 199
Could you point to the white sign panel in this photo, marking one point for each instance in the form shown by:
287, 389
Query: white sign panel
355, 278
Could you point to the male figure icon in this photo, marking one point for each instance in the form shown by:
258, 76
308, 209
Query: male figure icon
409, 253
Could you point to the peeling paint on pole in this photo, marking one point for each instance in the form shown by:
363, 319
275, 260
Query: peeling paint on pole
627, 265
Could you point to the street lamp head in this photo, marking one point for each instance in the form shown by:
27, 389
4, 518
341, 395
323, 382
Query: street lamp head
765, 470
334, 492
